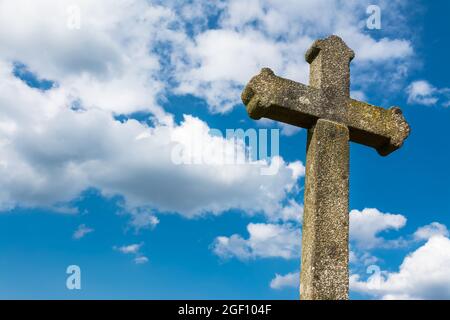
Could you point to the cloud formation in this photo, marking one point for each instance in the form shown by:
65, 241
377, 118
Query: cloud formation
421, 92
51, 155
431, 230
129, 249
133, 249
366, 225
81, 231
423, 274
264, 241
289, 280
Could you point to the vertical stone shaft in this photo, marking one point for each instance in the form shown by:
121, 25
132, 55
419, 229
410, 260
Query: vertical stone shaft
330, 75
324, 273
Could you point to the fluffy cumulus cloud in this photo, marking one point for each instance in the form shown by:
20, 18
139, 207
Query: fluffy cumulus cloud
423, 274
58, 141
142, 219
361, 258
129, 249
289, 280
99, 51
366, 225
292, 211
52, 154
421, 92
264, 241
431, 230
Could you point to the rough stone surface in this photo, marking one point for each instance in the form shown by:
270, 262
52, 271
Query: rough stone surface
276, 98
330, 59
324, 272
332, 118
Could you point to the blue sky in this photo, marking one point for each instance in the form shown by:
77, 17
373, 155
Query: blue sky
94, 96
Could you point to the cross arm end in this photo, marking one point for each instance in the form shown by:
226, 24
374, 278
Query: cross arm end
383, 129
255, 107
400, 130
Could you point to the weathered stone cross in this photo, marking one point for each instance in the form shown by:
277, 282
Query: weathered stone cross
332, 119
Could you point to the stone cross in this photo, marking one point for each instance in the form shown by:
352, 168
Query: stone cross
332, 119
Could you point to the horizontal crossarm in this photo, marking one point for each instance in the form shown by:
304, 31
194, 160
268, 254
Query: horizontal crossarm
276, 98
382, 129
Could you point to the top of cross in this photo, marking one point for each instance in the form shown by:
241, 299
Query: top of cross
327, 97
330, 66
333, 48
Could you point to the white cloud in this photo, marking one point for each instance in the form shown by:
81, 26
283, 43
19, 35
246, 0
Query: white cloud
52, 154
293, 211
367, 49
361, 258
133, 249
431, 230
141, 260
81, 231
423, 93
298, 169
289, 130
424, 274
142, 219
290, 280
265, 241
209, 73
366, 225
106, 63
129, 249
